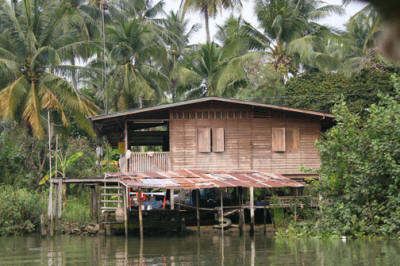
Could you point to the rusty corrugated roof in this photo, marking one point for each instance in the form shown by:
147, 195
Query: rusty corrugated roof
206, 99
199, 179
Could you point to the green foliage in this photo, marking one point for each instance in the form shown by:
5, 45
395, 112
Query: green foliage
20, 210
77, 209
321, 91
360, 170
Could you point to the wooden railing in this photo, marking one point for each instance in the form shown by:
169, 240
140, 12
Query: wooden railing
148, 162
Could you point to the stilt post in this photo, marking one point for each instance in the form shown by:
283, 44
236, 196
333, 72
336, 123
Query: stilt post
126, 197
59, 206
251, 210
222, 214
241, 211
172, 199
198, 210
140, 214
265, 213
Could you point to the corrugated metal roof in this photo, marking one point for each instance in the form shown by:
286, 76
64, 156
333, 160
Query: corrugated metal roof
199, 179
206, 99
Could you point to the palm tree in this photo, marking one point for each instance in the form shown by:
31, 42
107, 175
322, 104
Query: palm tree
291, 33
209, 8
180, 78
33, 46
221, 71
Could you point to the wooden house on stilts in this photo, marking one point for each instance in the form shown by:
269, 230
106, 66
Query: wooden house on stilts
207, 143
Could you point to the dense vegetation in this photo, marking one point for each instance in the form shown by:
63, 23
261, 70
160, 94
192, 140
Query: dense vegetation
61, 61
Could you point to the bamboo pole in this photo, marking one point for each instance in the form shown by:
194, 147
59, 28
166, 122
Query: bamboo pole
198, 210
126, 144
251, 210
140, 215
222, 213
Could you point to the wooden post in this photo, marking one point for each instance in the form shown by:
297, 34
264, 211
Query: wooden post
126, 197
241, 211
172, 199
222, 214
140, 214
198, 210
126, 144
98, 205
251, 210
50, 202
295, 207
265, 213
59, 207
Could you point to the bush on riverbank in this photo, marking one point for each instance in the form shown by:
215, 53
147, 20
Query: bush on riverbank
20, 210
360, 173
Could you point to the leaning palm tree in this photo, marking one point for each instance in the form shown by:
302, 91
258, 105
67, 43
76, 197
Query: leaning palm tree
209, 8
33, 45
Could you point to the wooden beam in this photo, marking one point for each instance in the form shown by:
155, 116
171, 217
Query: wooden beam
251, 210
59, 207
198, 210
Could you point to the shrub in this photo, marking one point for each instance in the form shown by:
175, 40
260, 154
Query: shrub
20, 210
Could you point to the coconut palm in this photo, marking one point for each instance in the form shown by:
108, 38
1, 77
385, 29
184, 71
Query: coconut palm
221, 71
33, 45
209, 8
290, 30
180, 78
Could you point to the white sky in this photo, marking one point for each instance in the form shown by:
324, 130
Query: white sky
248, 14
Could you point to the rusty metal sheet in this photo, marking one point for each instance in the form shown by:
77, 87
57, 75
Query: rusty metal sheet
199, 179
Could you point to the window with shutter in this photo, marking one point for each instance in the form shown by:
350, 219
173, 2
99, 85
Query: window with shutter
204, 139
292, 139
218, 140
278, 139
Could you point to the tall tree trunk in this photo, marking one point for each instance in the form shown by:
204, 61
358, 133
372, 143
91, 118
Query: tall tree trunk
74, 80
206, 17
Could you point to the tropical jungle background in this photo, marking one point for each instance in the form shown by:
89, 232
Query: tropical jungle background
64, 60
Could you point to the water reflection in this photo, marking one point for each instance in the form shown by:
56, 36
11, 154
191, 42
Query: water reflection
194, 250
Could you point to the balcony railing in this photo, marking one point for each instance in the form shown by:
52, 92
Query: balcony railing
146, 162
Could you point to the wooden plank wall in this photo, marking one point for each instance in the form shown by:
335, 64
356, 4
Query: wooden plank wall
247, 141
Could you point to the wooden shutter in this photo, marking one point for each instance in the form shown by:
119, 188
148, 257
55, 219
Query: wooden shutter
218, 140
204, 139
278, 139
292, 139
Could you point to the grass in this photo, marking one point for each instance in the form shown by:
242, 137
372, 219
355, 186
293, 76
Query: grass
77, 209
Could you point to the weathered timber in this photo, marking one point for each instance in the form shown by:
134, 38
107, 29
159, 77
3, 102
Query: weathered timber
251, 211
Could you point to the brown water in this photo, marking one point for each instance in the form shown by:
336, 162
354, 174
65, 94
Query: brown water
193, 250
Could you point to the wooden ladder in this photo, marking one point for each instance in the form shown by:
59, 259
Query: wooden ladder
111, 197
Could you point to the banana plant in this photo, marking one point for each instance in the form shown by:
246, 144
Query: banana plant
63, 163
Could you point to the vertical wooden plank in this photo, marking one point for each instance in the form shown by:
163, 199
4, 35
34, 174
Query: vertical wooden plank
251, 211
278, 139
222, 215
59, 207
204, 139
218, 139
